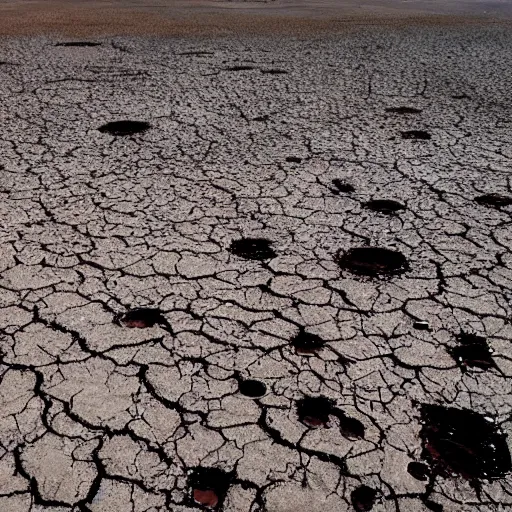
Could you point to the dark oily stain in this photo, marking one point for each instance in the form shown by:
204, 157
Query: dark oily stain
363, 498
418, 470
416, 135
307, 344
261, 118
252, 248
142, 317
124, 127
462, 96
403, 110
463, 442
274, 71
494, 199
314, 412
372, 261
343, 186
421, 325
349, 427
472, 351
252, 388
294, 159
384, 205
209, 486
239, 68
78, 43
432, 505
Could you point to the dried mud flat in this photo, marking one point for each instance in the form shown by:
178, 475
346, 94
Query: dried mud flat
257, 274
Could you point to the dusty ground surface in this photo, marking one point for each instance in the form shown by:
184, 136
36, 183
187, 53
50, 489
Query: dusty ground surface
108, 408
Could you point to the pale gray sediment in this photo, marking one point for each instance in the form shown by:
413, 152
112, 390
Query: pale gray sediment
102, 411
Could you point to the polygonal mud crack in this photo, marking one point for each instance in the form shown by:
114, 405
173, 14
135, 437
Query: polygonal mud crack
274, 71
494, 199
363, 498
307, 344
372, 261
252, 388
403, 110
473, 351
209, 486
142, 317
384, 205
252, 248
416, 135
343, 186
122, 128
418, 470
78, 43
463, 442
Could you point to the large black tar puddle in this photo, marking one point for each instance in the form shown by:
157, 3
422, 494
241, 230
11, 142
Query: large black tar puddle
372, 261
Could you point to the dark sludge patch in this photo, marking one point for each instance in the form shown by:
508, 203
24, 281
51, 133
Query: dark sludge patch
384, 206
252, 388
82, 44
342, 186
421, 325
363, 498
349, 427
274, 71
494, 199
463, 442
252, 248
416, 135
141, 318
314, 412
372, 261
418, 470
209, 486
432, 505
294, 159
403, 110
122, 128
472, 351
261, 118
239, 68
307, 344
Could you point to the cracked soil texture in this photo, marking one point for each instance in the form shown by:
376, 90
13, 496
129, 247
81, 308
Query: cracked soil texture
176, 331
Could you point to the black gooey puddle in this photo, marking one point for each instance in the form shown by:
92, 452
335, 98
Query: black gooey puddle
343, 186
494, 199
124, 128
251, 388
363, 498
141, 318
209, 486
252, 248
372, 261
386, 206
472, 351
306, 344
416, 135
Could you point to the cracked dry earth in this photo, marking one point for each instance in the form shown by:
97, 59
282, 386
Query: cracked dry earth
257, 274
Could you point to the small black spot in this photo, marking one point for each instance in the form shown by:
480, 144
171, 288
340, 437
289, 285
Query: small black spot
418, 470
314, 412
403, 110
122, 128
494, 199
261, 118
142, 318
421, 325
252, 248
306, 343
78, 43
416, 135
432, 505
472, 351
252, 388
384, 206
239, 68
343, 186
294, 159
209, 486
463, 442
462, 96
363, 498
274, 71
372, 261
